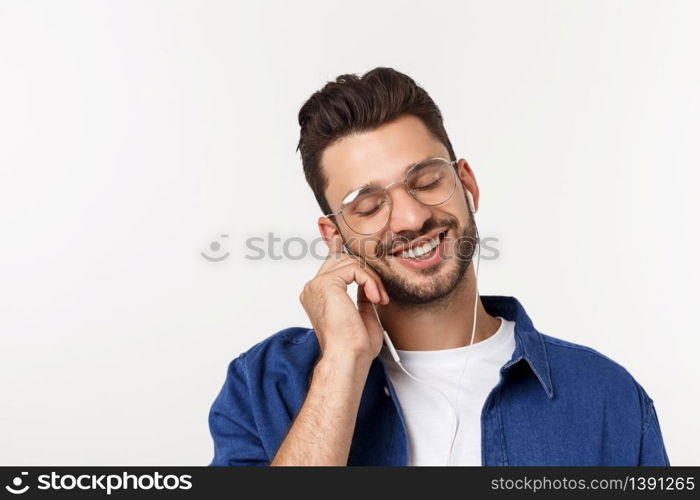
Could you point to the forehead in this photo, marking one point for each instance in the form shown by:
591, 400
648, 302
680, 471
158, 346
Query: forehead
381, 155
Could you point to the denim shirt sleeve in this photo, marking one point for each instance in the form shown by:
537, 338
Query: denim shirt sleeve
653, 451
232, 424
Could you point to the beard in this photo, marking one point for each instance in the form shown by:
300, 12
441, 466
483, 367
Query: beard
404, 290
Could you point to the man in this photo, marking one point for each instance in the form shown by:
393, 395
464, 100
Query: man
422, 371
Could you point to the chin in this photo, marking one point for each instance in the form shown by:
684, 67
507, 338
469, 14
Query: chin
425, 286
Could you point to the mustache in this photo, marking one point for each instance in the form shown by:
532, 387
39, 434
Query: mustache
385, 248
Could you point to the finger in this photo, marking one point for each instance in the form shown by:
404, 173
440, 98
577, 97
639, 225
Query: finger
369, 284
353, 273
382, 289
378, 279
367, 310
353, 261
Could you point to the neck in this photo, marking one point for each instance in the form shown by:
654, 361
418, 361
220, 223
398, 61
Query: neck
445, 324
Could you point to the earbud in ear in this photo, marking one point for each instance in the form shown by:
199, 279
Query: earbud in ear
470, 200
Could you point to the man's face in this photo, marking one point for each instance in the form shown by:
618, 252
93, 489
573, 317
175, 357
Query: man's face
383, 156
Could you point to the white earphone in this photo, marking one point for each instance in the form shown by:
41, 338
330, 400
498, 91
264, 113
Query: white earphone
470, 200
395, 355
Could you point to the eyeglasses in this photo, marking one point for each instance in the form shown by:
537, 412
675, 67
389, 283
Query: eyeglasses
367, 210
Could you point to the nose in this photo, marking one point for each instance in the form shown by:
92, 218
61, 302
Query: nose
407, 213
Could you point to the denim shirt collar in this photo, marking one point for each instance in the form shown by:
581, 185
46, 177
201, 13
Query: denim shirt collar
529, 344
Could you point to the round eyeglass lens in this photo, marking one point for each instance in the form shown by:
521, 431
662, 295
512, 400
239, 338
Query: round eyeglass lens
430, 182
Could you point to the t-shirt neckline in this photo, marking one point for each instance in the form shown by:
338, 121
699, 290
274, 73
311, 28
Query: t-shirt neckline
493, 341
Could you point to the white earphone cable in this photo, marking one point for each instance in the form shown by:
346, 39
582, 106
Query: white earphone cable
395, 355
471, 341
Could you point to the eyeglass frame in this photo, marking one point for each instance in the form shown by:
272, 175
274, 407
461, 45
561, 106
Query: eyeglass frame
385, 189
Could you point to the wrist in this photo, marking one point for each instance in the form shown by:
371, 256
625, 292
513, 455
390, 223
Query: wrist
346, 358
343, 364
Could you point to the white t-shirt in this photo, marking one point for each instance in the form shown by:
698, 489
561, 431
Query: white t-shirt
429, 418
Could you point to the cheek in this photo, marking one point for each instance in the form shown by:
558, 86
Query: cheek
365, 247
372, 247
455, 211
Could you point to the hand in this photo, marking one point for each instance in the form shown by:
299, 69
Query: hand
342, 328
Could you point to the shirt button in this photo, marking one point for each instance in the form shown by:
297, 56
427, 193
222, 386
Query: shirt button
386, 391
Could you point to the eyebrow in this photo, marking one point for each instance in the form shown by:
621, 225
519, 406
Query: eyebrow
373, 185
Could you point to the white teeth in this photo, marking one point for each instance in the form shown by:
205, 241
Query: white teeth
420, 250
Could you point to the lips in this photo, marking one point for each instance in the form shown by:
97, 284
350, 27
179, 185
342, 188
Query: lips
414, 244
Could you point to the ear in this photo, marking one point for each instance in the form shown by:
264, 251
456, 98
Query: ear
468, 180
328, 230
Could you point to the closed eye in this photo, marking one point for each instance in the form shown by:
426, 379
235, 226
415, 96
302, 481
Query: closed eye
427, 186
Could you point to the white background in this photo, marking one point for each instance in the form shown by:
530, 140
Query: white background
133, 134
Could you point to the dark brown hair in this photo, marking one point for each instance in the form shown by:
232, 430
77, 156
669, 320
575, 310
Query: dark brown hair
353, 104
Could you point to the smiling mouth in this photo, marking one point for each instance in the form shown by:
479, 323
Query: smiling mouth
423, 248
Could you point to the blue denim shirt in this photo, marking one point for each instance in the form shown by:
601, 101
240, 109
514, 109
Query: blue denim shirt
556, 403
